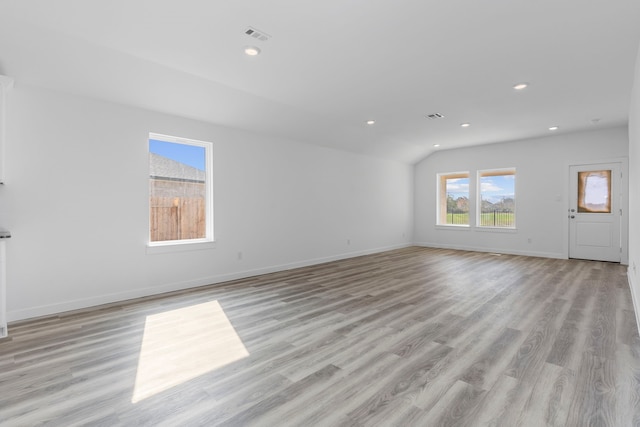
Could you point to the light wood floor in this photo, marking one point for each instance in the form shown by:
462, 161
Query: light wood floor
412, 337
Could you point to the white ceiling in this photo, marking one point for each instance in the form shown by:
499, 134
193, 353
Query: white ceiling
330, 65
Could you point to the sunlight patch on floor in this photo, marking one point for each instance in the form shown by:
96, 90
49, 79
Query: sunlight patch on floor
182, 344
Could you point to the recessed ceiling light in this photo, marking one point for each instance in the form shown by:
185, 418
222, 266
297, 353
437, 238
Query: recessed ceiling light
465, 125
371, 122
520, 86
252, 50
436, 145
554, 128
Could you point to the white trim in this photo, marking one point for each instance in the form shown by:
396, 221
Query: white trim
209, 207
634, 299
456, 227
479, 174
179, 246
492, 229
6, 84
491, 250
46, 310
3, 290
178, 139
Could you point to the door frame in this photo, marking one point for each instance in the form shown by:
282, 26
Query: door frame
624, 203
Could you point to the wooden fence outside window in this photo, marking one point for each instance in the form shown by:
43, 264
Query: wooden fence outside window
177, 218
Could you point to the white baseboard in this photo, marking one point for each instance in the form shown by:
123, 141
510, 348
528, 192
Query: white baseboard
492, 250
634, 297
82, 303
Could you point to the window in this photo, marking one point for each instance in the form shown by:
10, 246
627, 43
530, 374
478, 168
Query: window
180, 190
497, 201
594, 191
453, 198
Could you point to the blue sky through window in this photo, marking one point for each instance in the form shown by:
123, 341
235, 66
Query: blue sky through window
458, 187
188, 154
496, 188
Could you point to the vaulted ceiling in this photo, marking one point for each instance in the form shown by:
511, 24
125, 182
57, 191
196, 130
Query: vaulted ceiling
330, 66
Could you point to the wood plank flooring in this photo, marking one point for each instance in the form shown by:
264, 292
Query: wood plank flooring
412, 337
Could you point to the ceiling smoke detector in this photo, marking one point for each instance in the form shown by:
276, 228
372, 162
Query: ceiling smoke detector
435, 116
257, 34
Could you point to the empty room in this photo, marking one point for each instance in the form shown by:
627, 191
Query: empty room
336, 213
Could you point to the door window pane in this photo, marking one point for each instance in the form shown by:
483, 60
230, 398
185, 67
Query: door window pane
594, 191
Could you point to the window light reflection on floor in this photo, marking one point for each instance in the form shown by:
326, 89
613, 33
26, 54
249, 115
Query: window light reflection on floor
182, 344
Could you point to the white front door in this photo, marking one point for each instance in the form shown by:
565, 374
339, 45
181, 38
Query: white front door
594, 212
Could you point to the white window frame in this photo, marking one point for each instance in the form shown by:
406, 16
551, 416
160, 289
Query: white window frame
441, 192
495, 172
187, 244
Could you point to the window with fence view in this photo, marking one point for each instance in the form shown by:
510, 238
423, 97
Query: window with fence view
453, 204
497, 206
179, 189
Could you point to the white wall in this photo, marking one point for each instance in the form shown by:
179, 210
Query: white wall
541, 190
634, 192
76, 202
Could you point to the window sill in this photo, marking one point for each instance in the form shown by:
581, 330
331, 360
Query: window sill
161, 248
497, 229
452, 227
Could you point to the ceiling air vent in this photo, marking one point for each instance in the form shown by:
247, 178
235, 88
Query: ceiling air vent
435, 116
257, 34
